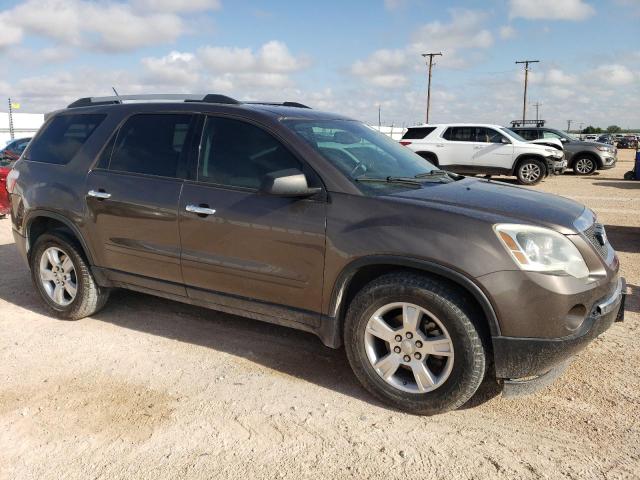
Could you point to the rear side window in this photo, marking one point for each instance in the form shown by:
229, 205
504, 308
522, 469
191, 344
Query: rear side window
238, 154
63, 137
460, 134
417, 133
152, 144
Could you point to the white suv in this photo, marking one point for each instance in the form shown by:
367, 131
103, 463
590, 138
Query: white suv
484, 149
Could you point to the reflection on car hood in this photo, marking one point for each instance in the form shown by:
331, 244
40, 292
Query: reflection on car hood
518, 203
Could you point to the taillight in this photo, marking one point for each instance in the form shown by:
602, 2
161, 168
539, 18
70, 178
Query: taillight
12, 178
405, 142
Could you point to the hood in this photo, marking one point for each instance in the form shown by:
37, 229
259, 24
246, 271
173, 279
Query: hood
518, 204
549, 142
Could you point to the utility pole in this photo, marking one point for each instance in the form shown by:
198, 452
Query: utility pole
569, 126
11, 132
526, 81
537, 105
430, 55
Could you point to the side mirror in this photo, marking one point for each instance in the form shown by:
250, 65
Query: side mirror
287, 183
564, 140
504, 140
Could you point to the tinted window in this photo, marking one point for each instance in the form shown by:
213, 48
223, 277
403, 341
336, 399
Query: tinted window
488, 135
549, 134
62, 138
460, 134
417, 133
153, 144
239, 154
528, 134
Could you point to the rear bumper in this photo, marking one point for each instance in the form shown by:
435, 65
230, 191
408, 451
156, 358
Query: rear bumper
526, 359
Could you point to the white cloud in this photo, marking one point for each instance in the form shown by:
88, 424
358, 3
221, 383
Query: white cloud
390, 68
394, 4
173, 69
272, 57
10, 34
507, 31
176, 6
555, 76
108, 25
575, 10
615, 75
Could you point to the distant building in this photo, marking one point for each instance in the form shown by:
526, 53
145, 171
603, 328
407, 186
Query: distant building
24, 125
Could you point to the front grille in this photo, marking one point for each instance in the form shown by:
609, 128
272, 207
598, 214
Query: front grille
597, 236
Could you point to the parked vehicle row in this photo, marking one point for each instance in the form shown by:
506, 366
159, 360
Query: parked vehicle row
8, 156
429, 279
485, 149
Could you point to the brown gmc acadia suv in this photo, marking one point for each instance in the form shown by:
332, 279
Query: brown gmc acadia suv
432, 281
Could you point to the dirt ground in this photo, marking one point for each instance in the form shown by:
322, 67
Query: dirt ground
152, 389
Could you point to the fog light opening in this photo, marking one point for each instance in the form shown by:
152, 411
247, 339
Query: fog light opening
575, 317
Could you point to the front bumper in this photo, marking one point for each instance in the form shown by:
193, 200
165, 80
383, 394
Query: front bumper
525, 359
608, 161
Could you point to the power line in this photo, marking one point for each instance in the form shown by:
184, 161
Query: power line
430, 55
537, 105
526, 81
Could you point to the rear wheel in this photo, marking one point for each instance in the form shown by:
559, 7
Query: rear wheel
414, 344
63, 278
584, 166
530, 171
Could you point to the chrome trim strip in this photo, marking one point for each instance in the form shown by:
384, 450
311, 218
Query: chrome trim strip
613, 301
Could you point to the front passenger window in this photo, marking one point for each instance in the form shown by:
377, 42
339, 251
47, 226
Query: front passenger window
238, 154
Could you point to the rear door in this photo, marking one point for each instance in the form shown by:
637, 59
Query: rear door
132, 200
457, 150
247, 245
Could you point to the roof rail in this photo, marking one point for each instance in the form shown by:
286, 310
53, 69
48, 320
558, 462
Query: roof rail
209, 98
280, 104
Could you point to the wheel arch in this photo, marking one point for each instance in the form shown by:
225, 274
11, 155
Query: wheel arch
585, 153
39, 222
528, 156
362, 271
430, 157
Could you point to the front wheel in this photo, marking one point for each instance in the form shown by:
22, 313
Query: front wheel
530, 172
584, 166
414, 343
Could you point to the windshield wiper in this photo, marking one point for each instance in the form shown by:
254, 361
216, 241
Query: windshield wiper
434, 173
398, 180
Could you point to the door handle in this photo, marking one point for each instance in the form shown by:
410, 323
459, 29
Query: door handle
98, 194
478, 148
439, 144
200, 210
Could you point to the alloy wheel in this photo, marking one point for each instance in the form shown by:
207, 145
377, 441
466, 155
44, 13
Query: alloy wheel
530, 172
58, 276
584, 165
409, 347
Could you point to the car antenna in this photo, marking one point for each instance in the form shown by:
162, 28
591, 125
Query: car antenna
116, 92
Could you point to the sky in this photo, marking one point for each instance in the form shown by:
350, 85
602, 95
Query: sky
351, 57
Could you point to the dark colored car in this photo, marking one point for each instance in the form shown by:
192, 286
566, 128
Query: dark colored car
626, 142
583, 157
13, 150
606, 138
432, 281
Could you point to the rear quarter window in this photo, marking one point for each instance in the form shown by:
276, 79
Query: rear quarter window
62, 138
417, 133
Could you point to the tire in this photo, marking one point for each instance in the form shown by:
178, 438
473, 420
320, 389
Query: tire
630, 175
584, 166
89, 296
530, 171
457, 375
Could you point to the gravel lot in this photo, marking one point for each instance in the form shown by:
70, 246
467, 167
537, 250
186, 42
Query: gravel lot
154, 389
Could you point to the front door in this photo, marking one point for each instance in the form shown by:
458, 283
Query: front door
133, 198
246, 245
492, 150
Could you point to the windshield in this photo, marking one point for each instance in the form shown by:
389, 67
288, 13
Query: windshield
566, 135
360, 152
513, 134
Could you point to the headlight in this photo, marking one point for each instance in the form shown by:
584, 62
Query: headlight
553, 152
604, 149
537, 249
